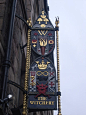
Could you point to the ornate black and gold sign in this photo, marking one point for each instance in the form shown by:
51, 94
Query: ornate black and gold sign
42, 74
42, 40
43, 22
42, 84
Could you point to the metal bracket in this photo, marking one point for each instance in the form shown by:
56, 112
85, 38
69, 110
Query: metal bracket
22, 47
58, 93
23, 20
56, 28
18, 86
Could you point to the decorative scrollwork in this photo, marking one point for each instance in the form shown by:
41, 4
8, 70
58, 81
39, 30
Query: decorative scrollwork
39, 73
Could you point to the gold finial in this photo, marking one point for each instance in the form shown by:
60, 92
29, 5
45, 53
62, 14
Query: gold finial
43, 12
43, 16
59, 114
29, 22
57, 21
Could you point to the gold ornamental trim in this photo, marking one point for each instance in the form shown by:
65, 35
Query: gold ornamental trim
58, 67
44, 19
27, 70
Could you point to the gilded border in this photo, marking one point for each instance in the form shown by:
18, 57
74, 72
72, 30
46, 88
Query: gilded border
58, 67
27, 70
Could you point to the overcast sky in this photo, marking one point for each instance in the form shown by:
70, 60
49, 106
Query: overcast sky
72, 35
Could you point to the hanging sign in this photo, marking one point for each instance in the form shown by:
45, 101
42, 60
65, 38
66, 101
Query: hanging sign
42, 75
42, 88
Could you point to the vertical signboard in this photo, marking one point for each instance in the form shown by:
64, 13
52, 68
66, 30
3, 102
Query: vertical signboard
42, 77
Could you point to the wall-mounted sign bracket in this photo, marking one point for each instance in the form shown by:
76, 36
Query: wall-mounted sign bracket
29, 27
17, 85
58, 93
23, 20
22, 47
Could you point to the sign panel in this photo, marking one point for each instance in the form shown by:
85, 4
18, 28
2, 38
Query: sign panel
43, 22
42, 103
42, 77
42, 39
42, 88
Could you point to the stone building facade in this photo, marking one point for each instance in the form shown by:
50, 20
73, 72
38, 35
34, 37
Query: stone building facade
13, 35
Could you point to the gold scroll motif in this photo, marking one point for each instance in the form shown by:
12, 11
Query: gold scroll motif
42, 65
42, 32
43, 18
43, 42
39, 73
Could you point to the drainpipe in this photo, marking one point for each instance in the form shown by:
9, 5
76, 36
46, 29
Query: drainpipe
7, 61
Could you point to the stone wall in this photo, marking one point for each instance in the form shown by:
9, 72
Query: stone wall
33, 9
17, 58
4, 29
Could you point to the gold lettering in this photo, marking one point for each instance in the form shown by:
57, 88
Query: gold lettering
31, 102
52, 102
34, 102
43, 102
38, 98
37, 102
46, 102
49, 102
44, 98
40, 102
